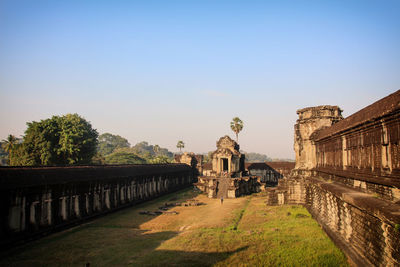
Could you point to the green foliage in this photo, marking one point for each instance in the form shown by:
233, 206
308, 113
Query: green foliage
19, 157
256, 157
143, 149
98, 159
109, 142
9, 144
64, 140
238, 216
121, 157
160, 159
236, 126
180, 145
147, 154
3, 155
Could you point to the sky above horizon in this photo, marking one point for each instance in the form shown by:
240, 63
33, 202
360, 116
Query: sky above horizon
163, 71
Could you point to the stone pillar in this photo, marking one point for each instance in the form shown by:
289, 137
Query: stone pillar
310, 120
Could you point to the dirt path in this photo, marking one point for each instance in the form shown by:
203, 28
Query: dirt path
212, 214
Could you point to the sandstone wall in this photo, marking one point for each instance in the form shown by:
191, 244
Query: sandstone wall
365, 227
348, 177
363, 150
35, 201
310, 120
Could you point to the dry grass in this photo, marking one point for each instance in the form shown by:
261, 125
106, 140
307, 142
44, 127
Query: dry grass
241, 232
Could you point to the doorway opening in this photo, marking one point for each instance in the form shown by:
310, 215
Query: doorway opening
225, 165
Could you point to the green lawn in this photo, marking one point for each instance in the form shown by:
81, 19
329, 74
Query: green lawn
241, 232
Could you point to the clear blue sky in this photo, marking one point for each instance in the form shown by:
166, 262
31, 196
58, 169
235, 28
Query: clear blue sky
163, 71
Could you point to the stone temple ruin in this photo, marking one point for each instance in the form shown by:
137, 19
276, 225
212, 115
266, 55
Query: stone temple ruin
228, 177
347, 175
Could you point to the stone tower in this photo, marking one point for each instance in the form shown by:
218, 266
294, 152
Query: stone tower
311, 120
228, 178
227, 158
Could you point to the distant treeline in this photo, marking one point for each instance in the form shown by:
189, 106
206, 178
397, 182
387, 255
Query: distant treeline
114, 149
71, 140
256, 157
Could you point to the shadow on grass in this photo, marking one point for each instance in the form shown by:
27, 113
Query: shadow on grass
145, 251
125, 248
131, 218
114, 239
185, 258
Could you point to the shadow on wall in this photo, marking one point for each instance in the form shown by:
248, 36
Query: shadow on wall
270, 172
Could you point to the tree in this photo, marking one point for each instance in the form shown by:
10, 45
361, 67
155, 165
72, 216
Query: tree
98, 159
124, 158
3, 155
256, 157
108, 143
19, 157
64, 140
160, 159
236, 126
8, 145
180, 145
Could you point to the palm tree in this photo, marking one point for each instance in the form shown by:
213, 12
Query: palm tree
8, 145
236, 126
180, 145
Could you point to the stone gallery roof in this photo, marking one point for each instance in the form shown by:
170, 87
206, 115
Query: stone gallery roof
29, 176
282, 165
256, 166
268, 165
372, 112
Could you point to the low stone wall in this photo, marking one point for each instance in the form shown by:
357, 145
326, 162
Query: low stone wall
365, 227
288, 191
36, 201
245, 186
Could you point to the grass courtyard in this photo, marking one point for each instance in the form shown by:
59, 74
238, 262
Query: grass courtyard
240, 232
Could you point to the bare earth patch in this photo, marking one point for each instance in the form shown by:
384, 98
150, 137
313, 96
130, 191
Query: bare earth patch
240, 232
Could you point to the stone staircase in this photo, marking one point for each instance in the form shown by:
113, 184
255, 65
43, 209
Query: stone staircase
223, 185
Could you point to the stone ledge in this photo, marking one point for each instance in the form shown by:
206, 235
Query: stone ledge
380, 208
352, 255
387, 180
